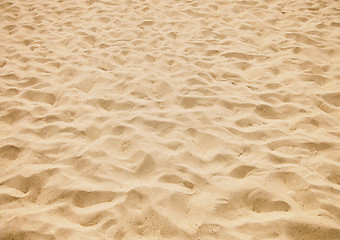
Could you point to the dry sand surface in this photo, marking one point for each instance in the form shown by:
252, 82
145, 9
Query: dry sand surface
170, 119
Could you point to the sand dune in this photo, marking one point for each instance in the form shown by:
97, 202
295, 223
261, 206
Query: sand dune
170, 119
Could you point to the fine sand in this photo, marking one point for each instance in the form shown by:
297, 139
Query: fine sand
170, 119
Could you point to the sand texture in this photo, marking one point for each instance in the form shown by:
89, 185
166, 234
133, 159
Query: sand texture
170, 119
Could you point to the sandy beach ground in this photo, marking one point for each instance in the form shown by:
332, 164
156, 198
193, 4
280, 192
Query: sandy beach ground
170, 119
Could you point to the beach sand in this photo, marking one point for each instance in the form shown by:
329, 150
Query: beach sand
170, 119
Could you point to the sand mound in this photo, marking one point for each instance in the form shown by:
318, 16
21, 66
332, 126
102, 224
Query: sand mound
170, 119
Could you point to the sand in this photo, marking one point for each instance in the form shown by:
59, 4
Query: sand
170, 119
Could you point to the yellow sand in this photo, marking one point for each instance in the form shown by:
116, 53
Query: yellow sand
170, 119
